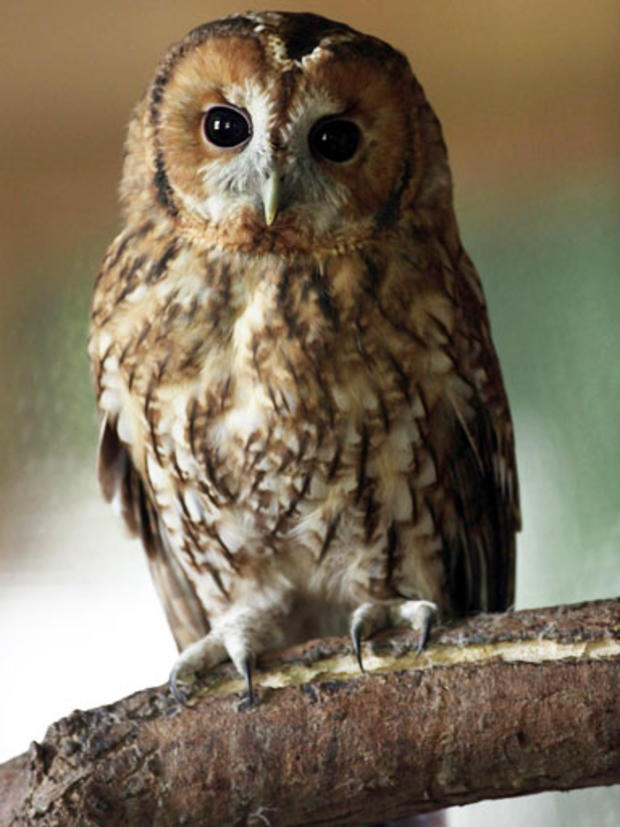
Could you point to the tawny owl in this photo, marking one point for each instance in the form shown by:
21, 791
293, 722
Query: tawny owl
303, 415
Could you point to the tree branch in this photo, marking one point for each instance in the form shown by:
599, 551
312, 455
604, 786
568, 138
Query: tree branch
497, 706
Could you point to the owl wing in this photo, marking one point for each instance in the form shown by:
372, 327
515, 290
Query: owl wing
473, 445
480, 508
120, 482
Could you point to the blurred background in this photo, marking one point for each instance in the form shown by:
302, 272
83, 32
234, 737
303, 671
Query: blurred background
529, 96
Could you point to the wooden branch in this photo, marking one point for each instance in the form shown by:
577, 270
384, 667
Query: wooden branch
498, 706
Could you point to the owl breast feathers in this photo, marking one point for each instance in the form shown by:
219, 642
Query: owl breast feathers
303, 414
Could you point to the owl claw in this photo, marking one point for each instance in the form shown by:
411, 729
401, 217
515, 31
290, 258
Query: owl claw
179, 696
247, 674
428, 615
419, 615
373, 617
203, 654
365, 620
250, 699
356, 638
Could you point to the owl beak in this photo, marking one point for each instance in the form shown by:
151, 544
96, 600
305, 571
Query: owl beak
270, 193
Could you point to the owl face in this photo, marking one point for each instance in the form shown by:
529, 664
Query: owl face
282, 127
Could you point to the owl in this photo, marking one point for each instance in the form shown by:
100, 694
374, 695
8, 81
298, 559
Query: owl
303, 415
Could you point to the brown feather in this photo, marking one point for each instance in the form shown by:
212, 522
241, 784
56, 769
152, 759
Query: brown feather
118, 478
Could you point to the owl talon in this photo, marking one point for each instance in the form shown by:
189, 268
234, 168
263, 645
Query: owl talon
250, 698
419, 615
427, 625
356, 638
373, 617
247, 674
203, 654
179, 696
365, 621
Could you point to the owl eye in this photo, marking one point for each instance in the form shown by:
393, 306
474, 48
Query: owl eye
335, 139
226, 127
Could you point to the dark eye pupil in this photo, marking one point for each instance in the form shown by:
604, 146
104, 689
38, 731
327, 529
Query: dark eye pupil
335, 140
226, 127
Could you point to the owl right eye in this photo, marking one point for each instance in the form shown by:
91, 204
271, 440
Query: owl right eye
226, 127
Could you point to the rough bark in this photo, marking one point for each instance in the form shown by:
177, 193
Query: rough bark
497, 706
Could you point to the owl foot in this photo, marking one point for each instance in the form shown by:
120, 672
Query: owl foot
230, 639
372, 617
204, 654
246, 670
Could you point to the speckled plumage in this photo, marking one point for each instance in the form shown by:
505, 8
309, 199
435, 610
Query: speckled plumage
304, 417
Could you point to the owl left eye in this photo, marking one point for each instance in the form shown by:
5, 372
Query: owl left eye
225, 126
335, 139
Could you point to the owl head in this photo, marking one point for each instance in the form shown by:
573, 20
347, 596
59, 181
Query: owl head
284, 132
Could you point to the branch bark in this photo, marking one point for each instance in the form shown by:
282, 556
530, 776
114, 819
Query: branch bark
500, 705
